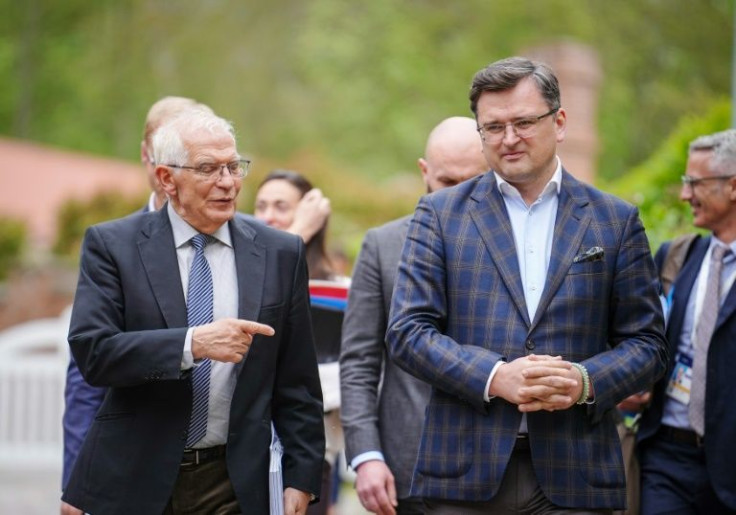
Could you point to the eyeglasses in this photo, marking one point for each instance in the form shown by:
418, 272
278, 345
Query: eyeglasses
213, 171
523, 127
692, 181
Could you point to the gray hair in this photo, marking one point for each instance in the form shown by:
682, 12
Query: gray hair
507, 73
723, 146
168, 140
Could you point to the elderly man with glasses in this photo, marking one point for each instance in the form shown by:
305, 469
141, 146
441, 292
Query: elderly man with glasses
197, 320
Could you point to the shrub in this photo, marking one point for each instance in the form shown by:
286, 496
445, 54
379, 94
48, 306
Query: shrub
76, 215
13, 234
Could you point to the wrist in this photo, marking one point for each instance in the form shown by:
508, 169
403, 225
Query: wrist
585, 393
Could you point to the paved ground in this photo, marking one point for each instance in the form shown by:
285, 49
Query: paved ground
37, 493
29, 493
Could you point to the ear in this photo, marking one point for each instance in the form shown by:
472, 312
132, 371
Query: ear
424, 168
166, 178
145, 158
732, 183
561, 124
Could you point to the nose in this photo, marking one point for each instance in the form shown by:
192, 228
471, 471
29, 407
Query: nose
509, 134
223, 174
686, 192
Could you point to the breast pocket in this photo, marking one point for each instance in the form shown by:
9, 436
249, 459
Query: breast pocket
587, 268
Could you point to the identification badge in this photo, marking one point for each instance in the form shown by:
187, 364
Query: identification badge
682, 376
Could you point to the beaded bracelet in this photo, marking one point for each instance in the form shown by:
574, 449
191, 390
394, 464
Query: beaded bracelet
586, 383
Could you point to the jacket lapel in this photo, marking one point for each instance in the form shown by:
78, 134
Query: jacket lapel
570, 225
158, 255
250, 265
728, 308
682, 288
492, 221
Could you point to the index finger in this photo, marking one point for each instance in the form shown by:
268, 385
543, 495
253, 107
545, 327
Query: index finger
250, 327
556, 368
543, 357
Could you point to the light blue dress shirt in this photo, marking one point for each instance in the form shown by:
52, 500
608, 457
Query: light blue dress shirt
221, 258
675, 413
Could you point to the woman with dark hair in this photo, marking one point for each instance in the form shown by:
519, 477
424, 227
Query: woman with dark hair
286, 200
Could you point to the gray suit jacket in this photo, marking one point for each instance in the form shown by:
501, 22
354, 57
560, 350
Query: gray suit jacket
383, 417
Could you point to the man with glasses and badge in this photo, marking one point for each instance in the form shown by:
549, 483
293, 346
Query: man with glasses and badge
686, 435
529, 301
197, 320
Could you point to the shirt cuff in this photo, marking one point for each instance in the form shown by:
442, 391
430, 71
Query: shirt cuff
187, 360
366, 456
486, 395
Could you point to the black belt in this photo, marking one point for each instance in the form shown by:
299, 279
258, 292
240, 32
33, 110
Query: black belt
677, 435
199, 456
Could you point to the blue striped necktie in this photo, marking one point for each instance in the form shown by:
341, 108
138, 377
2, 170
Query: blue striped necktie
200, 296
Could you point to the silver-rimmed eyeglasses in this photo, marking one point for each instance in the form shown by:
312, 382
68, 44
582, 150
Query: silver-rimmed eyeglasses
213, 171
687, 180
523, 127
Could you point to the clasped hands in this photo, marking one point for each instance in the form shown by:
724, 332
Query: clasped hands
538, 382
226, 339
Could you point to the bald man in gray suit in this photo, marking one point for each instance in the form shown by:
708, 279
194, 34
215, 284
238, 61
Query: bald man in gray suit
383, 422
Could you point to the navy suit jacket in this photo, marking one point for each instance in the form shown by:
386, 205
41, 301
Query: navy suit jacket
127, 332
458, 308
81, 402
720, 389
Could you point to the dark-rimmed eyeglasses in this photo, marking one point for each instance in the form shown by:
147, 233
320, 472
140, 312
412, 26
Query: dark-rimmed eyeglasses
523, 127
213, 171
692, 181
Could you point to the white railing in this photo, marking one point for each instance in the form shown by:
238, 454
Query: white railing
33, 361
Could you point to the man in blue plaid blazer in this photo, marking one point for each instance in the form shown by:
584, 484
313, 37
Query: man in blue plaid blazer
529, 301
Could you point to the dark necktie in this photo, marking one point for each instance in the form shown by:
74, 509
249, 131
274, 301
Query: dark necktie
703, 333
200, 296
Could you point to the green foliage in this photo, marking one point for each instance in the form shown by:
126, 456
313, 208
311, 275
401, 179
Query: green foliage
346, 91
75, 216
360, 83
12, 241
654, 185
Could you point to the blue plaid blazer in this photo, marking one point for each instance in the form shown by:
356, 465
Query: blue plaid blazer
458, 308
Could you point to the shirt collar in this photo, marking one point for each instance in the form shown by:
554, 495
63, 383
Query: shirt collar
183, 232
152, 202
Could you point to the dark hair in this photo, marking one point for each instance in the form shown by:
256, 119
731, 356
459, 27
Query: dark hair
318, 261
507, 73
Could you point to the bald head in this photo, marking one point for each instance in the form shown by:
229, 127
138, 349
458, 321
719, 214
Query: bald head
164, 110
453, 154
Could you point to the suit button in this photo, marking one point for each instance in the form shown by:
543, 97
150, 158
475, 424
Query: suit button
530, 345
